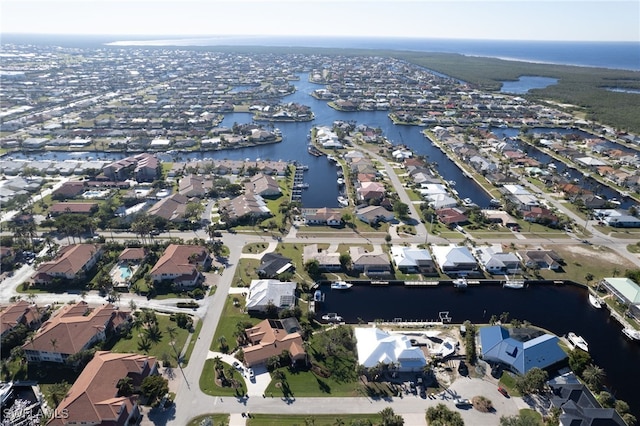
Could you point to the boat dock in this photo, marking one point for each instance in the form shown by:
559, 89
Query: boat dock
298, 183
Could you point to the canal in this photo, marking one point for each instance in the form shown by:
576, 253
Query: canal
559, 309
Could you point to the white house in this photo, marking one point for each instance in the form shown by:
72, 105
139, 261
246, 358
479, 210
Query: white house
265, 292
377, 346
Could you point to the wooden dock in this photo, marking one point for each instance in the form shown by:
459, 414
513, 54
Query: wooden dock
422, 283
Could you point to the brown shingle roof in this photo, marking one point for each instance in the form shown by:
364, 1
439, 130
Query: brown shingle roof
19, 312
70, 260
175, 260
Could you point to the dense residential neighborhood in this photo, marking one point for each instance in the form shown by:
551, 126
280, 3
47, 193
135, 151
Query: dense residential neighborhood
149, 277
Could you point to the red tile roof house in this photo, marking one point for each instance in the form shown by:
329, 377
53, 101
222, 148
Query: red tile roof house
71, 262
270, 338
179, 263
75, 328
71, 207
93, 399
20, 312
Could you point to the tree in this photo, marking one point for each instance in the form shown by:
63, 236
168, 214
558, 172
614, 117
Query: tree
58, 391
578, 361
401, 210
532, 382
125, 386
390, 418
441, 415
154, 387
345, 260
593, 376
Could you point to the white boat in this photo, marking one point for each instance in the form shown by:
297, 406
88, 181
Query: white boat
317, 296
577, 341
340, 181
343, 201
332, 317
467, 201
495, 202
331, 158
631, 333
595, 301
341, 285
460, 283
514, 284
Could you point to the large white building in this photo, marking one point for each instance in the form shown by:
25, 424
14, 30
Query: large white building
377, 346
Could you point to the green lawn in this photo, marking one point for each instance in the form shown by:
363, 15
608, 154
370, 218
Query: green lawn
508, 382
530, 416
245, 272
318, 420
230, 317
208, 384
156, 349
192, 343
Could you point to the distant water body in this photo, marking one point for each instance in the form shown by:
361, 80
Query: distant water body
616, 55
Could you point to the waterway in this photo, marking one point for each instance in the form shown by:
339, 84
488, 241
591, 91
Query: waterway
559, 309
525, 83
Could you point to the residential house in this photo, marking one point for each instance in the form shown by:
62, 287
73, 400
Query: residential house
578, 404
375, 346
540, 215
243, 207
518, 354
274, 264
69, 189
543, 259
374, 214
493, 260
455, 260
71, 207
194, 186
617, 218
367, 191
625, 290
452, 216
181, 265
141, 167
71, 262
263, 185
94, 398
75, 328
20, 312
172, 208
411, 260
371, 264
270, 338
326, 261
520, 196
323, 216
266, 292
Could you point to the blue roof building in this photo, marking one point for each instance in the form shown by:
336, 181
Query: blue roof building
520, 356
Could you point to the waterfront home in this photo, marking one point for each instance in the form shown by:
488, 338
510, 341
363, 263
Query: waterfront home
327, 261
375, 346
452, 216
272, 337
374, 214
181, 264
626, 291
71, 262
455, 260
370, 264
543, 259
95, 397
540, 215
244, 207
520, 196
493, 260
18, 313
367, 191
263, 185
265, 292
409, 260
501, 217
578, 405
141, 167
519, 353
322, 216
617, 218
69, 189
75, 328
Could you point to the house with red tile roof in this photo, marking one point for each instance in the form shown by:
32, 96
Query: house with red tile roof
20, 312
75, 328
71, 262
180, 264
73, 207
270, 338
94, 399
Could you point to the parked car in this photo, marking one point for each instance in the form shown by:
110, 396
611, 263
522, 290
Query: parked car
237, 366
251, 375
503, 391
463, 370
463, 403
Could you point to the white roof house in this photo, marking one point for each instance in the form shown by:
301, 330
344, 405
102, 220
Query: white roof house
262, 292
408, 258
453, 259
376, 346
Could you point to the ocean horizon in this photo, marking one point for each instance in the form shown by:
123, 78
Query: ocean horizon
614, 55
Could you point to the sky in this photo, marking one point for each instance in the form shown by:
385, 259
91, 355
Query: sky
570, 20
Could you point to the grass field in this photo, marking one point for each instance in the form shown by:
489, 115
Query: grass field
315, 420
209, 386
217, 419
230, 317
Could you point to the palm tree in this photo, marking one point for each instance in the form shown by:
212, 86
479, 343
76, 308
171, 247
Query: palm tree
144, 344
594, 376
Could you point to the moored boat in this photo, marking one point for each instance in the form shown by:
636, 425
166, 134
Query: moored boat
514, 284
332, 317
577, 341
317, 296
595, 301
631, 333
341, 285
460, 283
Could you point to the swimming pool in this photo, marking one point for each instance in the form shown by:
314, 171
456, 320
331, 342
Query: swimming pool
125, 272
